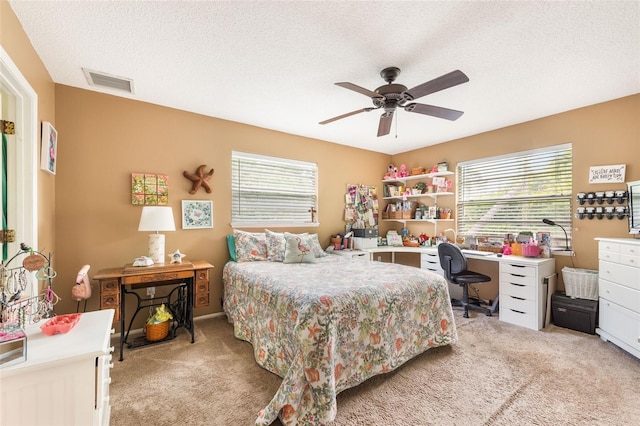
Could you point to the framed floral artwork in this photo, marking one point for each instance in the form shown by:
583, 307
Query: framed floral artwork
49, 150
197, 214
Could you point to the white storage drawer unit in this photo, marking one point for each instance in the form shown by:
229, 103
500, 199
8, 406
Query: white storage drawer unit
430, 261
619, 292
65, 379
523, 293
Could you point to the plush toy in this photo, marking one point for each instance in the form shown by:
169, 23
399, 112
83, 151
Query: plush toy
403, 171
391, 172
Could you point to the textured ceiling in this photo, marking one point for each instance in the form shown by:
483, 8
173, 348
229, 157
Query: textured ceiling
274, 64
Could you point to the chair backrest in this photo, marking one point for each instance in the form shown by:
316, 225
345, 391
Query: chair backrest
452, 260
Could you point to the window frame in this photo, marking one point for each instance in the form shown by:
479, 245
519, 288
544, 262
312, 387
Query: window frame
237, 219
549, 205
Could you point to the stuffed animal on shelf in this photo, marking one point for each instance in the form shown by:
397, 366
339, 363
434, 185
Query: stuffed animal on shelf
392, 172
403, 171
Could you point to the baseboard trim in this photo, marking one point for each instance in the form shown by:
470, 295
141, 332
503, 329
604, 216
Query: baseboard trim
138, 331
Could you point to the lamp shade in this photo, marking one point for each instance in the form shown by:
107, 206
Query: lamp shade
156, 218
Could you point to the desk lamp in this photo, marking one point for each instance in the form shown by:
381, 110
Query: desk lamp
156, 218
566, 239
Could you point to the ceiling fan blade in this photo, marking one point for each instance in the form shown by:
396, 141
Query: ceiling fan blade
443, 82
435, 111
359, 89
385, 123
349, 114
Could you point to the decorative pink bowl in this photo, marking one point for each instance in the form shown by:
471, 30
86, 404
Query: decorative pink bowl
60, 324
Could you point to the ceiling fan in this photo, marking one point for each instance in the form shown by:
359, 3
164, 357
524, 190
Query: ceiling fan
391, 96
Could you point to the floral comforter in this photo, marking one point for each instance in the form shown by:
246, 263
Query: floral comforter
328, 326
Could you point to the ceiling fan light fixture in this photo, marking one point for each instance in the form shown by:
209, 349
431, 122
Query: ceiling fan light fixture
392, 95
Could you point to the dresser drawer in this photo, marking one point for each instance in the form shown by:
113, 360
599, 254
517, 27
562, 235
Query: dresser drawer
608, 246
620, 322
511, 288
621, 274
610, 256
619, 294
518, 270
518, 304
513, 316
518, 279
631, 260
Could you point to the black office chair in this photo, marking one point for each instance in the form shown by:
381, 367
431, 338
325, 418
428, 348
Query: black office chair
454, 265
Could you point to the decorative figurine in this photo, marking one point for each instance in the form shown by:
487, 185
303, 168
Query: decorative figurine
177, 257
199, 178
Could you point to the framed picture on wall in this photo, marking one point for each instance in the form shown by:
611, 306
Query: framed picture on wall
197, 214
49, 151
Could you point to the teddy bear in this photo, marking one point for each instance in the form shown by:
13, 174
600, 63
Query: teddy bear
392, 172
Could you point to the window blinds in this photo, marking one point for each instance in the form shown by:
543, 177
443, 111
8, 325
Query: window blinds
513, 193
268, 191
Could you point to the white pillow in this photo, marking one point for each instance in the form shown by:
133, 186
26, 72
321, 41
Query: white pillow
297, 249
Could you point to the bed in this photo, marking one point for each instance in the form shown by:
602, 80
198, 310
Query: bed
331, 324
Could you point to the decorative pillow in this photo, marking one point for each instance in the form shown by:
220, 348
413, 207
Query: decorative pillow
250, 246
297, 249
275, 246
231, 246
316, 248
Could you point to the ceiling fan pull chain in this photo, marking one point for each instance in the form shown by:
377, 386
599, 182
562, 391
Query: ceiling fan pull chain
397, 118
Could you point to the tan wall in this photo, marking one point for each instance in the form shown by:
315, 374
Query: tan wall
85, 215
103, 139
602, 134
15, 42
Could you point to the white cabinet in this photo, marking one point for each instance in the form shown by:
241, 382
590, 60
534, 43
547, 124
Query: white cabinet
524, 291
65, 379
353, 254
430, 261
619, 292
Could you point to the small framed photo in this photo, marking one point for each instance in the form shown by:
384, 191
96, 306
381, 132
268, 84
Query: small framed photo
197, 214
49, 150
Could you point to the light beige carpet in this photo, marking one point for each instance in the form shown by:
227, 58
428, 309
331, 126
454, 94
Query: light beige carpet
498, 374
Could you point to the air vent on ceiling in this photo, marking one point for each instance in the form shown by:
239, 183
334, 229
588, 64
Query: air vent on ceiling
95, 78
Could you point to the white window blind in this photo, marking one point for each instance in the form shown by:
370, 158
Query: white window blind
268, 191
513, 193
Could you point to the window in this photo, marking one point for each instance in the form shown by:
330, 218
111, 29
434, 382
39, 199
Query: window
270, 191
513, 193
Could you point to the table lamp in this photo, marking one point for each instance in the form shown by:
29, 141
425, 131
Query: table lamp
566, 238
156, 218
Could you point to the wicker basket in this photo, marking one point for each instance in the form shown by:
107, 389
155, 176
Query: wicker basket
155, 332
580, 283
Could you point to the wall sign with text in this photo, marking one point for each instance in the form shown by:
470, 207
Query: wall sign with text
607, 174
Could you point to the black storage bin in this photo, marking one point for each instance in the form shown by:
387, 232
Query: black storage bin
576, 314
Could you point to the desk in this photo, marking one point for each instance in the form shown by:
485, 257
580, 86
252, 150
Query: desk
525, 283
116, 283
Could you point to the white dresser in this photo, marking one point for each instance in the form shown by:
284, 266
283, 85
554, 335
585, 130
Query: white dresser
619, 292
65, 379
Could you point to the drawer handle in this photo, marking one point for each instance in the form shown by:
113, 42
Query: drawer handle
518, 285
518, 312
517, 298
517, 266
517, 275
